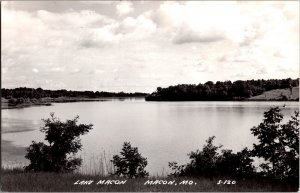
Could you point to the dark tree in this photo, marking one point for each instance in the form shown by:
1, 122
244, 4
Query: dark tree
278, 145
130, 163
63, 143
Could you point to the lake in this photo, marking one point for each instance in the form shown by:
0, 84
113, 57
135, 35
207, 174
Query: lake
162, 131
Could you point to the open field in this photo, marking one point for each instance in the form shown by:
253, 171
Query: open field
278, 94
18, 181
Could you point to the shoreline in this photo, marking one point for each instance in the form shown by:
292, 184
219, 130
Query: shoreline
271, 95
48, 101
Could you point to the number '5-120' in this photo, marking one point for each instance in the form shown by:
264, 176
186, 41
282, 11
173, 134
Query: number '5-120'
226, 182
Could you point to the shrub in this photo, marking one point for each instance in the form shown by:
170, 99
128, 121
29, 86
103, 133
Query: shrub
64, 143
12, 101
130, 164
236, 164
204, 163
208, 162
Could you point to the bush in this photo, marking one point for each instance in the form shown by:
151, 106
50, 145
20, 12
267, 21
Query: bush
204, 163
64, 143
12, 102
130, 164
237, 164
208, 162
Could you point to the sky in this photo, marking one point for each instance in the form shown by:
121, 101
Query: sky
137, 46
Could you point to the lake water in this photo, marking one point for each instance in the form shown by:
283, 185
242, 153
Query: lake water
162, 131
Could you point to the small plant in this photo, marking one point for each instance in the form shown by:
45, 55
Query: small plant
130, 164
64, 143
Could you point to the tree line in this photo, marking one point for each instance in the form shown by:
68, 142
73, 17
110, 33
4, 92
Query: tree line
31, 93
227, 90
278, 146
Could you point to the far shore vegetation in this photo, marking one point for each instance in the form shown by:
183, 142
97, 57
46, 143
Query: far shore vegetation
240, 90
26, 97
54, 165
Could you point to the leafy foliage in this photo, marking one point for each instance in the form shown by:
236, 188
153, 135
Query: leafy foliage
208, 162
237, 164
64, 143
32, 93
278, 145
226, 90
204, 162
130, 163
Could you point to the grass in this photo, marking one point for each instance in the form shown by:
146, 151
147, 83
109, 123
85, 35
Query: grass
278, 94
16, 180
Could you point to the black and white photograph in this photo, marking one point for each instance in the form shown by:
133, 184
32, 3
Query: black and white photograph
150, 96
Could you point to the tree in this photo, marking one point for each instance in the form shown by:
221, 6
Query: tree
130, 164
278, 145
63, 143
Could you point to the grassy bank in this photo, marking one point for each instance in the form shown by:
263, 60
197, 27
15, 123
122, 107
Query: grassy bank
278, 95
18, 181
45, 101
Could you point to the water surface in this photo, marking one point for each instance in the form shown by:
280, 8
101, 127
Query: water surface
163, 131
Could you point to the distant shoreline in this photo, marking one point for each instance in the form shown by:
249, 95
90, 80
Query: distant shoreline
48, 101
43, 102
286, 95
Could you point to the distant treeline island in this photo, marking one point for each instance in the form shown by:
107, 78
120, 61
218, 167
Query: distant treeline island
230, 91
272, 89
25, 97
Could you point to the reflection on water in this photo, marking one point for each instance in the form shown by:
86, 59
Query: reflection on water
12, 125
163, 131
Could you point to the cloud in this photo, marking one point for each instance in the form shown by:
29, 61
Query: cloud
57, 69
97, 2
99, 37
187, 36
35, 70
278, 54
243, 55
262, 70
96, 71
137, 28
200, 22
124, 8
167, 42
